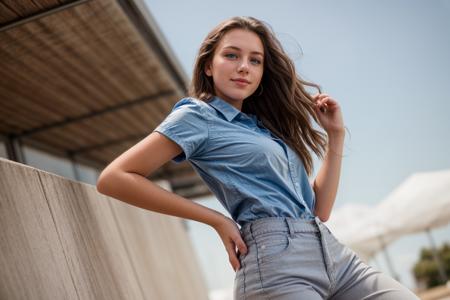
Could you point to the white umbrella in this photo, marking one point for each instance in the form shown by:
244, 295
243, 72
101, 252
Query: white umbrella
421, 202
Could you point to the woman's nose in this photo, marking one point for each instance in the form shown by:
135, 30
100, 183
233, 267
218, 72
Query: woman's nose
243, 66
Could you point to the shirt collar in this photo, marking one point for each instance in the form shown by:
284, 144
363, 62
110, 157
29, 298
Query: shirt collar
228, 110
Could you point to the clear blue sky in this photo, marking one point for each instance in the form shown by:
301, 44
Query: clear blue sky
386, 62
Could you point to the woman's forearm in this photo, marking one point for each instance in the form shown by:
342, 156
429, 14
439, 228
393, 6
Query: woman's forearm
326, 183
139, 191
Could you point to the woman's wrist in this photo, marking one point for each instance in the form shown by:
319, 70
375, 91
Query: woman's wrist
336, 143
336, 133
336, 138
216, 219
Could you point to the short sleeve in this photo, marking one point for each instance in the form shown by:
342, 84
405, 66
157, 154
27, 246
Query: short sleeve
186, 125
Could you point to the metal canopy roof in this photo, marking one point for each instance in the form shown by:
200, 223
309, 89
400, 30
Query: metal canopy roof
88, 79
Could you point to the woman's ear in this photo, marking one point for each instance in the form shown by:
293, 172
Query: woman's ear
208, 70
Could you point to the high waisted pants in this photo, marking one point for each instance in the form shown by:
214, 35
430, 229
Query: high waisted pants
294, 259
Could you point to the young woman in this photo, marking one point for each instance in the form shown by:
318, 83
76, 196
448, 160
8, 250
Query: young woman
247, 130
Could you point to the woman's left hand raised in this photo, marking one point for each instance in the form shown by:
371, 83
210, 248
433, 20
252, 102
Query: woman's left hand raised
329, 113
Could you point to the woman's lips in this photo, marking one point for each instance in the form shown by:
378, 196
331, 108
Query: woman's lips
241, 82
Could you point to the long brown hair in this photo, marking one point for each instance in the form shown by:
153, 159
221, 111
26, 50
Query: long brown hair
282, 103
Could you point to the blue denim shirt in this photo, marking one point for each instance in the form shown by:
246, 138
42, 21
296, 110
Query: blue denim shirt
252, 173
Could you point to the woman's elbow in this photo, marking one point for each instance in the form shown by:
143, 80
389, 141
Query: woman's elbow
100, 185
323, 216
105, 182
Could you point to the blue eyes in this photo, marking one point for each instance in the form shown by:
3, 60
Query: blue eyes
229, 55
254, 61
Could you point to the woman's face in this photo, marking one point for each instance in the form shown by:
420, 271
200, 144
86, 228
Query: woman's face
237, 66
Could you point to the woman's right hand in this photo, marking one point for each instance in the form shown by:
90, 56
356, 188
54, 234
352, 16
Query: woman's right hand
231, 238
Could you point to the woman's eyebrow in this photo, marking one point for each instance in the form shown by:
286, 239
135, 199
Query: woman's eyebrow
239, 49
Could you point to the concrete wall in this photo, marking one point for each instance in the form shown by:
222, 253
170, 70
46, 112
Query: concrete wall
61, 239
